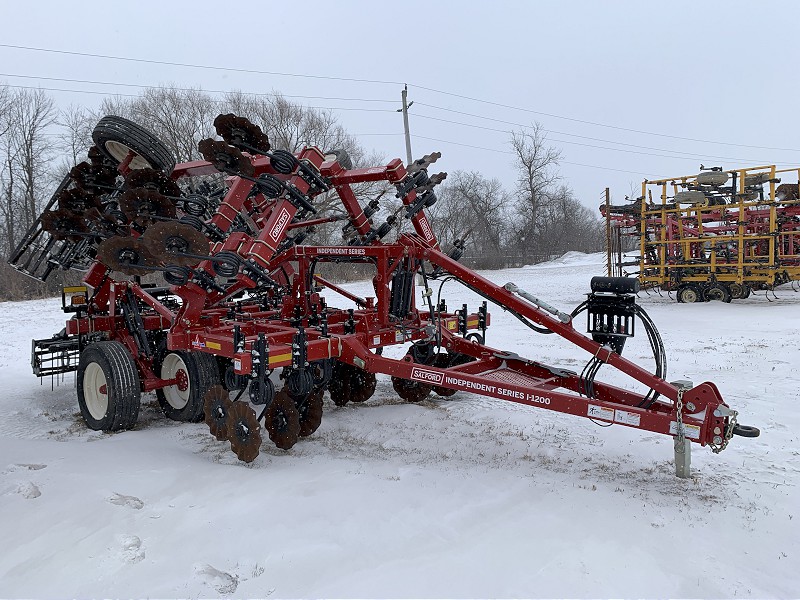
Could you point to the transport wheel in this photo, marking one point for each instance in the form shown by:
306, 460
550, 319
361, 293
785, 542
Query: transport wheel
217, 405
195, 374
115, 137
689, 293
282, 421
109, 389
310, 409
739, 291
718, 292
244, 432
411, 391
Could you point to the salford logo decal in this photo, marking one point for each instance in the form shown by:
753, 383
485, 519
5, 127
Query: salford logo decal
280, 224
426, 228
426, 376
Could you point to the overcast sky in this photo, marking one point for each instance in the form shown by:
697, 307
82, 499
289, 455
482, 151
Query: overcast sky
699, 82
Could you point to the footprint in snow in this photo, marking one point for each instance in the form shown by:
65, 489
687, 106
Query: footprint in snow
132, 550
222, 582
129, 501
23, 467
28, 490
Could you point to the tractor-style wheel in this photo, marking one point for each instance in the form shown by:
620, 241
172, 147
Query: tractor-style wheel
244, 432
739, 291
109, 389
115, 137
689, 293
217, 405
718, 292
310, 409
282, 421
194, 374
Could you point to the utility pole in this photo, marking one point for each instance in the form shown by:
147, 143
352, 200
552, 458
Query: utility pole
404, 110
608, 232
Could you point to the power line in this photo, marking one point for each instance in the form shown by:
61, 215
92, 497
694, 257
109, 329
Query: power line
387, 82
583, 137
682, 155
49, 89
585, 122
196, 66
182, 89
563, 162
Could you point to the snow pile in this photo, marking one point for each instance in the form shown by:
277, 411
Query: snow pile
461, 497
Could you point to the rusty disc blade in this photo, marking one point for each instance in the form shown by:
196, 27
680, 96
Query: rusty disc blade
217, 405
62, 224
172, 242
239, 130
443, 360
93, 175
141, 205
282, 421
125, 254
225, 158
152, 179
362, 384
411, 391
78, 200
244, 432
339, 386
310, 409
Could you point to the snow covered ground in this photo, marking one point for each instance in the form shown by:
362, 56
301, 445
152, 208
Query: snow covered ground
461, 497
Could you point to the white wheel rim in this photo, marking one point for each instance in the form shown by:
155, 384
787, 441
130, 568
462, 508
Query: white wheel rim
175, 397
95, 391
120, 151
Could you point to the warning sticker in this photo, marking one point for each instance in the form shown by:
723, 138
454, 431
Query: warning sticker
376, 340
692, 431
598, 412
629, 418
398, 336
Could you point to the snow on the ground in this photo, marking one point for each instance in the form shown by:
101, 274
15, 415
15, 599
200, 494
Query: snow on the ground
463, 497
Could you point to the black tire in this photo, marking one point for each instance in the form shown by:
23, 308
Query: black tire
109, 366
343, 157
184, 401
737, 290
718, 292
689, 293
115, 136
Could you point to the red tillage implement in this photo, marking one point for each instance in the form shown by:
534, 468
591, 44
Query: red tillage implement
242, 299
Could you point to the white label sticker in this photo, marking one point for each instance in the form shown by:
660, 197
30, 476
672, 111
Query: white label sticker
237, 364
629, 418
692, 431
598, 412
376, 340
398, 336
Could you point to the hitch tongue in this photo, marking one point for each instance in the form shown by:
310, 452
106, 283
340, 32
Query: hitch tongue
563, 317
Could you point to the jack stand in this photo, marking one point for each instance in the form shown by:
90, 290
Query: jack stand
683, 458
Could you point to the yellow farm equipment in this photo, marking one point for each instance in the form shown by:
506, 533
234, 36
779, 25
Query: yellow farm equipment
717, 235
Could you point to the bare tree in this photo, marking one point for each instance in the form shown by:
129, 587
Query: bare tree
471, 204
536, 164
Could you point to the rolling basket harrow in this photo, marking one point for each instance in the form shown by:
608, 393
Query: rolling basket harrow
243, 299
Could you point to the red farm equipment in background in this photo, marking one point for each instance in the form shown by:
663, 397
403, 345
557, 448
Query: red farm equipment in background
241, 298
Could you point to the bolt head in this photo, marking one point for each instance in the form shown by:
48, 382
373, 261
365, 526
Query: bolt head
717, 440
691, 406
717, 430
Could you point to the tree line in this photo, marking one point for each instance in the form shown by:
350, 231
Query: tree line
504, 223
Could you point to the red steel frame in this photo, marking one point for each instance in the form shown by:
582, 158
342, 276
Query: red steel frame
205, 321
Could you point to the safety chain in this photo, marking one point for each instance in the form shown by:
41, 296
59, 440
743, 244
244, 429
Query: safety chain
728, 434
679, 417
